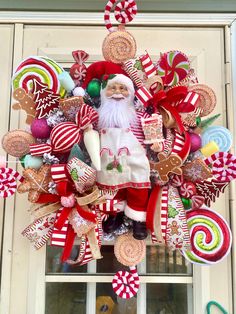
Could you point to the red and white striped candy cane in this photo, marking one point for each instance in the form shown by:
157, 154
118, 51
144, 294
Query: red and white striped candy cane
124, 12
223, 166
8, 179
126, 284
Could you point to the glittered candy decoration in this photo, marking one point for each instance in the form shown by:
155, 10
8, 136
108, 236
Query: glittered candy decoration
223, 166
220, 135
40, 68
128, 250
8, 179
125, 284
211, 237
173, 67
124, 12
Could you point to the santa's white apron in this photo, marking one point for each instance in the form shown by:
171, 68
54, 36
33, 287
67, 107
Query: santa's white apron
123, 161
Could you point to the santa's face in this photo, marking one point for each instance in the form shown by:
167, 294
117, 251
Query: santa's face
117, 91
117, 108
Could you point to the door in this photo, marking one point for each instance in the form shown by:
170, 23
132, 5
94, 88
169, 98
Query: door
169, 284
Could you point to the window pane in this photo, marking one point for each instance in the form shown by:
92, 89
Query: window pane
160, 260
108, 302
54, 264
169, 299
109, 264
65, 298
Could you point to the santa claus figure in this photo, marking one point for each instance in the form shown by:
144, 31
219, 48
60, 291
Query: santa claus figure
124, 165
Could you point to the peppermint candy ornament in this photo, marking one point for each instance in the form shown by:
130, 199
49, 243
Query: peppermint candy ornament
78, 70
8, 179
223, 166
125, 284
173, 67
187, 189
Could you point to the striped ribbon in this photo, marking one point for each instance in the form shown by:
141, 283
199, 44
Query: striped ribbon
133, 73
8, 178
59, 172
148, 65
143, 95
124, 12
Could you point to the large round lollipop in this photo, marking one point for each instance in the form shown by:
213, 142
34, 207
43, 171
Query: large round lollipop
42, 69
210, 237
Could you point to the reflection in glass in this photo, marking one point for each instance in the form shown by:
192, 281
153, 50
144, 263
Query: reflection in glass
65, 298
54, 264
108, 302
169, 299
160, 260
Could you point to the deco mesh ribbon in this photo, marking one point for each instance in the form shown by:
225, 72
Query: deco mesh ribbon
211, 238
8, 179
124, 12
126, 284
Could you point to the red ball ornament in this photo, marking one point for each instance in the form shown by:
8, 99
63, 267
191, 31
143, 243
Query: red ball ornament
40, 128
196, 142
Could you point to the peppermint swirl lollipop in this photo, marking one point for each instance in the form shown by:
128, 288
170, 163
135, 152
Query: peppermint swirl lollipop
8, 179
40, 68
126, 284
220, 135
173, 67
210, 237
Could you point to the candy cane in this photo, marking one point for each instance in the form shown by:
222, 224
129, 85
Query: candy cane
126, 284
8, 179
124, 12
223, 166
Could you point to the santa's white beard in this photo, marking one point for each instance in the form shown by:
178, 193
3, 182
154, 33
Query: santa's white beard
116, 113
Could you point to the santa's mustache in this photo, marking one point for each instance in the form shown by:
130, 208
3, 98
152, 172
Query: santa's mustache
116, 96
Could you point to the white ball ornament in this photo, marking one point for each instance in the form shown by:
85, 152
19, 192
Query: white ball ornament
79, 91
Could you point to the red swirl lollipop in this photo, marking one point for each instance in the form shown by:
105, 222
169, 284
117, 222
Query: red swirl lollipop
173, 67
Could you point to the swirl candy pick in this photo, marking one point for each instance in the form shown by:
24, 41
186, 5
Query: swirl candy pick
220, 135
8, 179
210, 235
119, 46
129, 251
126, 284
40, 68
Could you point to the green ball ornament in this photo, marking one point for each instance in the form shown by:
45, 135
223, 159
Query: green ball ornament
198, 121
94, 88
32, 162
186, 202
22, 161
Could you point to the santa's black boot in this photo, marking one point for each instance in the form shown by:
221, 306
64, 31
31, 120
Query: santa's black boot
139, 230
113, 222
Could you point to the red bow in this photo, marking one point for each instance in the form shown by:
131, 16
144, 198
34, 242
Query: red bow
177, 97
64, 189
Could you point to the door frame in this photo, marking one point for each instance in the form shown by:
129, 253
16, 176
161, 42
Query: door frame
226, 21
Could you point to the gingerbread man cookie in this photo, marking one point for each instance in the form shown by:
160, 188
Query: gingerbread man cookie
25, 102
35, 182
166, 165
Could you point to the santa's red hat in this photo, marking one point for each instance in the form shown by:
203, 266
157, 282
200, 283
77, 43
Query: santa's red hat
99, 69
